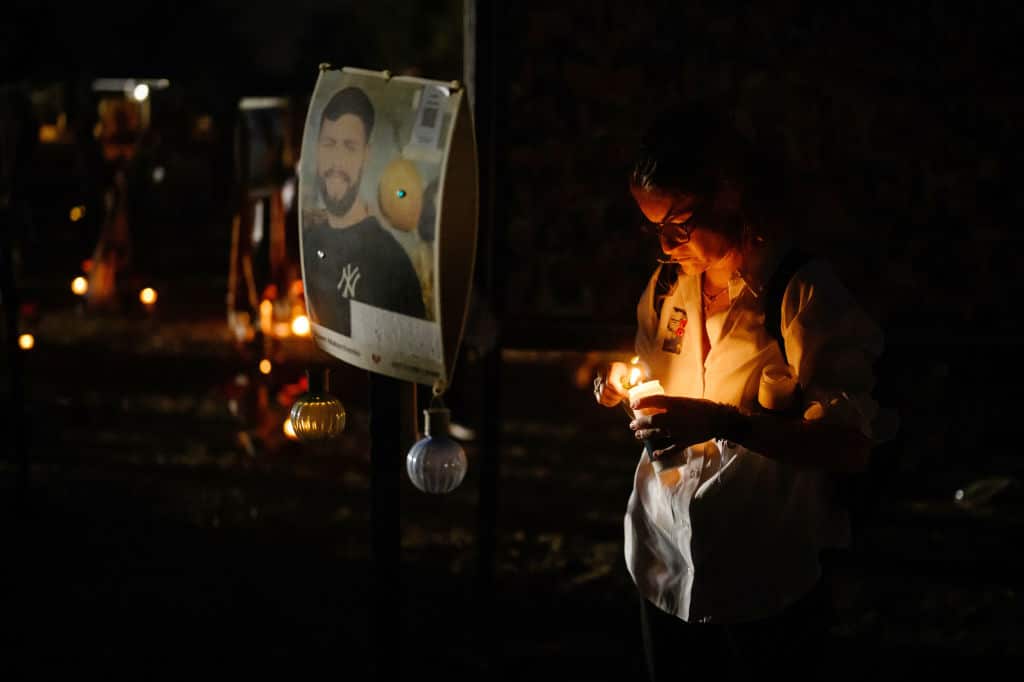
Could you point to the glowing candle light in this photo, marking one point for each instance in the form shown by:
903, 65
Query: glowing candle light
26, 342
300, 326
643, 390
148, 296
265, 366
636, 373
266, 316
80, 286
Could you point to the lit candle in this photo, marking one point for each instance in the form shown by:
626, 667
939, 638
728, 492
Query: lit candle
633, 382
637, 388
266, 316
300, 325
148, 298
643, 390
636, 373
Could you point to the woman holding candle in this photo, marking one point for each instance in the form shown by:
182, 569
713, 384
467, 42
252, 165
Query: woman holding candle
733, 502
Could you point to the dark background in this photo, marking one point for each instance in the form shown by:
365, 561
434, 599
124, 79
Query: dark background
153, 533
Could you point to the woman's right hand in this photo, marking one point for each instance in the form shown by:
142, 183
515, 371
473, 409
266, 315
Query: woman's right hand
608, 385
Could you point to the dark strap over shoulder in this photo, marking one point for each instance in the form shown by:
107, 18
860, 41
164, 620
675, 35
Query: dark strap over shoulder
668, 278
774, 290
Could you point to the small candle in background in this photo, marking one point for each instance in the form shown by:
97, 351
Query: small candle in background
777, 387
266, 316
148, 298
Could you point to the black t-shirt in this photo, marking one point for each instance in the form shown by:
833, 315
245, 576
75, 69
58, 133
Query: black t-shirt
362, 262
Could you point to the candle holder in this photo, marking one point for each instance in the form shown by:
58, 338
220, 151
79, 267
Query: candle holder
778, 388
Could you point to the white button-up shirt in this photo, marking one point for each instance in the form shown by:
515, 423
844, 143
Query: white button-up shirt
724, 534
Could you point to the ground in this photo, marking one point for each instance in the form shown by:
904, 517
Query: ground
169, 522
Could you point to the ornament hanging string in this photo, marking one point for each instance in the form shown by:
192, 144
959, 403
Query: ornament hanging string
438, 391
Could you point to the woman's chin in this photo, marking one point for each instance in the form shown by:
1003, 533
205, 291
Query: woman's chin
688, 266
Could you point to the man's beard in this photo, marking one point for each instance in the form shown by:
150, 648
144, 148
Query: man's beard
340, 206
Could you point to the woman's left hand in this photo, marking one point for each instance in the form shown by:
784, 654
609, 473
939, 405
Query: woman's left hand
684, 421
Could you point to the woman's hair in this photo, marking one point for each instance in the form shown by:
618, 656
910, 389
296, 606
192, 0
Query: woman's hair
698, 151
684, 151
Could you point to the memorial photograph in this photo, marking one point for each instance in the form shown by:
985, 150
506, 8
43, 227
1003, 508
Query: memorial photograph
369, 177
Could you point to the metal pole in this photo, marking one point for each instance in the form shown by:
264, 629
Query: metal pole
385, 523
482, 75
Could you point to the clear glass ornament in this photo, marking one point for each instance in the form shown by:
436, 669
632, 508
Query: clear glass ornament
436, 464
317, 415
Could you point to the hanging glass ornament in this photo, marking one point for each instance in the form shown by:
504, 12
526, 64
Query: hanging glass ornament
317, 415
436, 464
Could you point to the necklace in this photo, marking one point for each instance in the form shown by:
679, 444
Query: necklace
711, 298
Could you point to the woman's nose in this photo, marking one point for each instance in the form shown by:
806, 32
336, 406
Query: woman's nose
669, 244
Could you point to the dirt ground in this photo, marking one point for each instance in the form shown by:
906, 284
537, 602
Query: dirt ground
170, 524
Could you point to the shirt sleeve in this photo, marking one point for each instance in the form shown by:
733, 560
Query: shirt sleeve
833, 345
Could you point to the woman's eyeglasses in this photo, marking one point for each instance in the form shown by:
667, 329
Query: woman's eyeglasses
684, 229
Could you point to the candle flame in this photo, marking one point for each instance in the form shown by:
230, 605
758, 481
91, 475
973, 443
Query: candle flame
634, 376
635, 360
300, 326
266, 316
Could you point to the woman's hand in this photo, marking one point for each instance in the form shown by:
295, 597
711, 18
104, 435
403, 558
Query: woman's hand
683, 421
608, 385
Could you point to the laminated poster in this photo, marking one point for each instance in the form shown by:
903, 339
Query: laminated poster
387, 221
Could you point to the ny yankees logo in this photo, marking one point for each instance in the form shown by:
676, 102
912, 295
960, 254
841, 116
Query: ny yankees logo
347, 283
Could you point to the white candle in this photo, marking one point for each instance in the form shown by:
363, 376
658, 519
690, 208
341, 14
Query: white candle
647, 388
777, 387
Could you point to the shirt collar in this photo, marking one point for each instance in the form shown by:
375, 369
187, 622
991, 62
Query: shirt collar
758, 267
